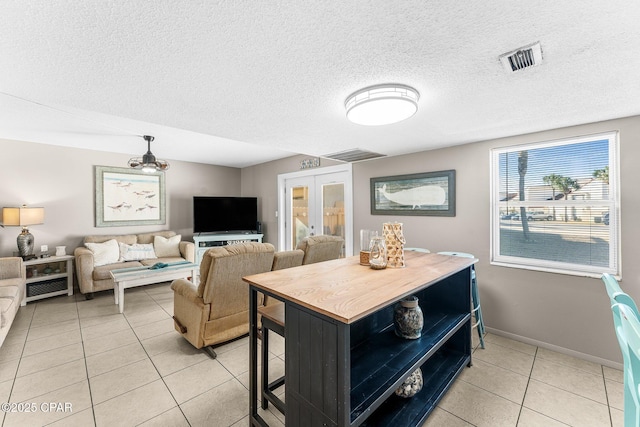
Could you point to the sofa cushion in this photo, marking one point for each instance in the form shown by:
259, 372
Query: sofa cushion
104, 253
148, 237
129, 239
6, 305
11, 287
167, 247
136, 252
9, 291
102, 272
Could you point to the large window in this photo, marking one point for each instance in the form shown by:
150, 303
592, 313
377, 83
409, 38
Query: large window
555, 206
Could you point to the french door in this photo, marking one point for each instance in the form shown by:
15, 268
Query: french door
315, 202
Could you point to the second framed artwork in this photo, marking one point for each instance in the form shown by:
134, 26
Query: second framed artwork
429, 193
129, 197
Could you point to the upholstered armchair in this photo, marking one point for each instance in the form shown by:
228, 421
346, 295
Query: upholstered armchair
287, 259
12, 284
284, 259
321, 248
217, 310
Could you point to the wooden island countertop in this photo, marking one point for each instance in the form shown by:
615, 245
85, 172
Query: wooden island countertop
347, 291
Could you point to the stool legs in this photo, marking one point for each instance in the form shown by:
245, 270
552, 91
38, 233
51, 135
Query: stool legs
477, 310
267, 395
265, 366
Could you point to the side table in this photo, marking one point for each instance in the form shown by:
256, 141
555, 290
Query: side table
48, 277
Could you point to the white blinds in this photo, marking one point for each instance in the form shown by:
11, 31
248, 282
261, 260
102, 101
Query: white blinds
555, 205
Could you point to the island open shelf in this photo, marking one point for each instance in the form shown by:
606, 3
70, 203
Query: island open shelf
379, 366
438, 373
343, 361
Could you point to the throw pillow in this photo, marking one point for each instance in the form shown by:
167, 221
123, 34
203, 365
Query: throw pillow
136, 252
104, 253
167, 247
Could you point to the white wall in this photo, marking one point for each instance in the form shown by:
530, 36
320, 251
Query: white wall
558, 311
61, 180
262, 181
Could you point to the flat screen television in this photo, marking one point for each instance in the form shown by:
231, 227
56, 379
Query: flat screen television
225, 214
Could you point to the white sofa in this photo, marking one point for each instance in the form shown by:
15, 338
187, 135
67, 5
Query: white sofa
12, 285
92, 278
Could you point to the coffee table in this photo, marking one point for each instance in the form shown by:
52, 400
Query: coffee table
125, 278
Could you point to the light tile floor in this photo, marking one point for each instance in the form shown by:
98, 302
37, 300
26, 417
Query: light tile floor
126, 369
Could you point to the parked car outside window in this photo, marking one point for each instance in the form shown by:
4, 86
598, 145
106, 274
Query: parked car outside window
533, 216
539, 215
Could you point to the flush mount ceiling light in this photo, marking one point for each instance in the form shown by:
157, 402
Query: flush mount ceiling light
148, 162
382, 104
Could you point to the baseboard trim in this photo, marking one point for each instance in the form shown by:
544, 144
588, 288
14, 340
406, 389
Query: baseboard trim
563, 350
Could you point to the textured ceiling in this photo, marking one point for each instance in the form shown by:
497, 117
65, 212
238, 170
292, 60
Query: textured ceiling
242, 82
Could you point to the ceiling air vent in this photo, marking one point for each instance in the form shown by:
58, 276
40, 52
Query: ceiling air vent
354, 155
525, 57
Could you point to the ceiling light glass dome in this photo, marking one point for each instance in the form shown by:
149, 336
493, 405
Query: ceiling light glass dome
382, 104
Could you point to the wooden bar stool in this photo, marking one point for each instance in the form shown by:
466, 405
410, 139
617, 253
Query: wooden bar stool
312, 249
475, 297
272, 320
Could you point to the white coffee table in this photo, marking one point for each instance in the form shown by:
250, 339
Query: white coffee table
125, 278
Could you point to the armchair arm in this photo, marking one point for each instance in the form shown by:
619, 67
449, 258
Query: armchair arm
11, 268
188, 250
84, 269
188, 291
190, 313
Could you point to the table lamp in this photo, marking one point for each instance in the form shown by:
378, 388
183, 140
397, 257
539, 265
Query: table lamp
23, 217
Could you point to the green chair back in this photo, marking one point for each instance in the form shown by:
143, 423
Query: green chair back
616, 295
627, 329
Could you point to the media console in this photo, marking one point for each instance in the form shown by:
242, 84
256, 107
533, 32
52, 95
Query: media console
208, 241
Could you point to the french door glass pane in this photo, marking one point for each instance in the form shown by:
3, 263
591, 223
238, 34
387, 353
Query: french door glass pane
333, 210
300, 214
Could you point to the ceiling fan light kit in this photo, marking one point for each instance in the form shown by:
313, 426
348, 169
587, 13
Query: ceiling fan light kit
382, 104
148, 162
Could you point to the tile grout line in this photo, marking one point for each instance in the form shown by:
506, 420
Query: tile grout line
502, 367
606, 395
84, 353
50, 391
156, 368
233, 377
524, 395
15, 375
550, 385
150, 360
44, 308
93, 405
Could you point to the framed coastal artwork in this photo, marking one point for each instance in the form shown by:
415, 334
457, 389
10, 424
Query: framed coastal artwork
129, 197
429, 193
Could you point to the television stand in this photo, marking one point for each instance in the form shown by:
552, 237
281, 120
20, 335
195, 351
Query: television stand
207, 241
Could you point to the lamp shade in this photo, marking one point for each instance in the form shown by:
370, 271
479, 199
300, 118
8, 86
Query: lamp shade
22, 216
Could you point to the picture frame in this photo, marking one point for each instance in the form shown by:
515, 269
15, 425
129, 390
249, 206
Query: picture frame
129, 197
426, 194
